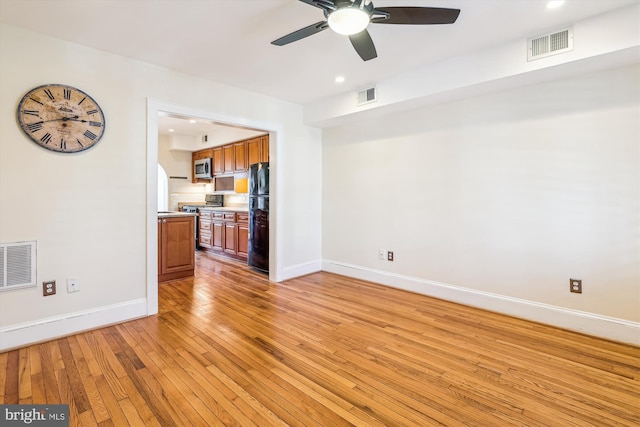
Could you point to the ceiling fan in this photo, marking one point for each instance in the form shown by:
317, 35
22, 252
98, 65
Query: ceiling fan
351, 18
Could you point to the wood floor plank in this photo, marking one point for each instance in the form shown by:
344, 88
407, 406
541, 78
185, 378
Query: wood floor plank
111, 404
12, 380
24, 376
229, 348
100, 412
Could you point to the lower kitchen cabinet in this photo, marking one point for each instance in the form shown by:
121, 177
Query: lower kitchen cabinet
176, 246
225, 232
242, 233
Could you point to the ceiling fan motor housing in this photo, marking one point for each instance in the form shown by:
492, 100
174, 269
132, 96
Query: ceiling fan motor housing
367, 7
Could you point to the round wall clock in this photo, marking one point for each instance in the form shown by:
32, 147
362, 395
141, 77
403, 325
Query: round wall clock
61, 118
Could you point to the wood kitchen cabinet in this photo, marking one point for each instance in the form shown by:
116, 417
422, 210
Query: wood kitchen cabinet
217, 235
176, 247
225, 232
242, 235
235, 157
218, 164
240, 156
228, 158
264, 148
258, 149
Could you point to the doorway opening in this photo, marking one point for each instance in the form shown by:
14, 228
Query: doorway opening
154, 109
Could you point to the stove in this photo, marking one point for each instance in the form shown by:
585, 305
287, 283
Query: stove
211, 201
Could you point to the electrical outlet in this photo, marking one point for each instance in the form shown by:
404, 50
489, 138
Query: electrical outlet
575, 285
382, 254
73, 284
48, 288
390, 256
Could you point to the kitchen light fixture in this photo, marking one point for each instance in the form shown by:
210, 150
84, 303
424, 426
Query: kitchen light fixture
192, 121
339, 79
348, 20
170, 130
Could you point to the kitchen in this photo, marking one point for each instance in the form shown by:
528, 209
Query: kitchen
213, 188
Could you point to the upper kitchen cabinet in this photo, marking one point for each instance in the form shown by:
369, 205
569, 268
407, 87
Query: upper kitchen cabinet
228, 158
218, 163
258, 149
235, 157
240, 156
264, 152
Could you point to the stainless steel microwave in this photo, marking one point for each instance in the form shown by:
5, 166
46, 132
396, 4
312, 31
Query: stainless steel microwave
202, 168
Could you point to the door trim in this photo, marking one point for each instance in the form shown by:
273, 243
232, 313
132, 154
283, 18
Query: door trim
276, 138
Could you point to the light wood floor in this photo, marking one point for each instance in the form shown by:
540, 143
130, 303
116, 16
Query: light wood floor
230, 348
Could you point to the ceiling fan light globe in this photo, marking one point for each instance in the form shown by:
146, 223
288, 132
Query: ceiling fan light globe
348, 21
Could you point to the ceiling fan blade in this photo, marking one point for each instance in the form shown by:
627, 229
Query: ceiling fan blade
363, 44
415, 15
320, 4
301, 33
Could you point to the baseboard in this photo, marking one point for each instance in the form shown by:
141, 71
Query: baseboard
301, 269
23, 334
588, 323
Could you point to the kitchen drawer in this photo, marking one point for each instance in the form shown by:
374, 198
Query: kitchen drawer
217, 215
243, 217
229, 216
205, 214
205, 240
205, 226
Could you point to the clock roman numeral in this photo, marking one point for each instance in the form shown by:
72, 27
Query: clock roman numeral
82, 100
79, 143
49, 94
92, 111
67, 93
63, 144
35, 100
32, 112
96, 124
90, 135
46, 138
34, 127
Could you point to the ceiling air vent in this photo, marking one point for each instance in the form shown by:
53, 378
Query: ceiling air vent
550, 44
366, 96
17, 265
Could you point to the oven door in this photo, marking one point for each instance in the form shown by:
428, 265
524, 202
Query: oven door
196, 231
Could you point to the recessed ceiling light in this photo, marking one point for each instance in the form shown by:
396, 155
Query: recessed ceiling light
170, 130
552, 4
192, 121
339, 79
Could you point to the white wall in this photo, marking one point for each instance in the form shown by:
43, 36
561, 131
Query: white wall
498, 200
88, 211
178, 163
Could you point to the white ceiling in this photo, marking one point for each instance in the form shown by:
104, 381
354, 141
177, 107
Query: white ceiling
228, 41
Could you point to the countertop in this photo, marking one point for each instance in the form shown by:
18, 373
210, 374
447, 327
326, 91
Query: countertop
170, 214
225, 208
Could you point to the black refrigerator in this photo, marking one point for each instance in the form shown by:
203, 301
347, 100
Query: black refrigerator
259, 216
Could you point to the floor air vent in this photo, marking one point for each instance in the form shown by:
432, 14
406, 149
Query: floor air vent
17, 265
366, 96
550, 44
